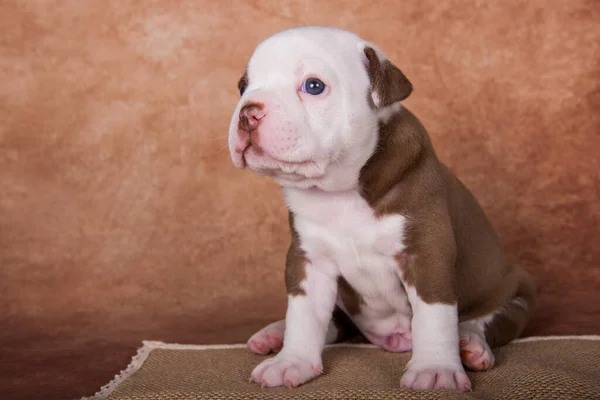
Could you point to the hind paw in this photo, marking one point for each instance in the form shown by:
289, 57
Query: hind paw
269, 339
475, 352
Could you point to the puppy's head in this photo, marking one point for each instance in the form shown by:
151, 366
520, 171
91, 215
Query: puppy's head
311, 101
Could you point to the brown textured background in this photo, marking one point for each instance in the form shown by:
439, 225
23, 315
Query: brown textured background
122, 218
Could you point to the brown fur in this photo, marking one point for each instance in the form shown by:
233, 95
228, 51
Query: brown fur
346, 329
295, 264
454, 254
243, 83
387, 80
350, 297
510, 322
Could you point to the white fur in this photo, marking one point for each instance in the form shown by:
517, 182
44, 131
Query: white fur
340, 236
435, 331
309, 141
315, 147
306, 325
385, 113
435, 355
342, 229
376, 99
520, 302
270, 338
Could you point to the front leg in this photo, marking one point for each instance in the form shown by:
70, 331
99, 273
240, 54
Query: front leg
310, 305
435, 361
428, 273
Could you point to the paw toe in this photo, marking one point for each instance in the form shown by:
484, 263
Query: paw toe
445, 381
425, 380
275, 343
272, 377
436, 378
258, 347
285, 370
478, 360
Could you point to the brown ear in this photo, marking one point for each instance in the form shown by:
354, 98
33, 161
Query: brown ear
388, 83
243, 83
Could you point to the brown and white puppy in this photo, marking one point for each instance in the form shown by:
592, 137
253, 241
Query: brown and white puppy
383, 234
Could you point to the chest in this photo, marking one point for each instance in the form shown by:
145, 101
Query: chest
342, 229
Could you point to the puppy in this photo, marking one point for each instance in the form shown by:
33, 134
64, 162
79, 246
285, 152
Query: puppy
384, 238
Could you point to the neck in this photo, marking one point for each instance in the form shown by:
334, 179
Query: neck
403, 145
400, 144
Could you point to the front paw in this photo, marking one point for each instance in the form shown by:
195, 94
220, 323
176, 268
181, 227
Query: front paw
435, 377
285, 370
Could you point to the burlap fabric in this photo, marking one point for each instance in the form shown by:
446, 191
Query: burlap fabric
553, 368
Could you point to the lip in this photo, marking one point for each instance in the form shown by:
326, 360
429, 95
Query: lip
266, 162
269, 158
243, 155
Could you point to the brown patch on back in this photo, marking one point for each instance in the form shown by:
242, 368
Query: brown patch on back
350, 297
455, 255
390, 84
295, 272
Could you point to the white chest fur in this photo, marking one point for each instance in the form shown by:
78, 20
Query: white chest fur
340, 231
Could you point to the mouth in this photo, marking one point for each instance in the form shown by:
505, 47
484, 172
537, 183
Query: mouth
258, 160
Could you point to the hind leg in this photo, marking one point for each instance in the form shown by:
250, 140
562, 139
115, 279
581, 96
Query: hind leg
508, 323
270, 338
395, 342
478, 336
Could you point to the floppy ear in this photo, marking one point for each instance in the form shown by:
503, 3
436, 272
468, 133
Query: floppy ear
388, 83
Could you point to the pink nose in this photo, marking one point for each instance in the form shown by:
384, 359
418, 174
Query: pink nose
250, 116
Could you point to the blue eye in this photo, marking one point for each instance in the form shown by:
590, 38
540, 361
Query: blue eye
313, 86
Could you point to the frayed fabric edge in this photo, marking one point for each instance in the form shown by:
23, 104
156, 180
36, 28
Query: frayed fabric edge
147, 346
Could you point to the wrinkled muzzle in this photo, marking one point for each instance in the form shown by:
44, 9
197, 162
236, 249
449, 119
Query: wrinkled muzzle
269, 133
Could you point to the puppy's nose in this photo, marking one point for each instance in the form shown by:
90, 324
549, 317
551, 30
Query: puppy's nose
250, 116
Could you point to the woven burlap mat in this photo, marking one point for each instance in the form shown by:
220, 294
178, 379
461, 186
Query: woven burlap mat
542, 368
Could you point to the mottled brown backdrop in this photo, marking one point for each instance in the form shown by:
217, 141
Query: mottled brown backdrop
122, 218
